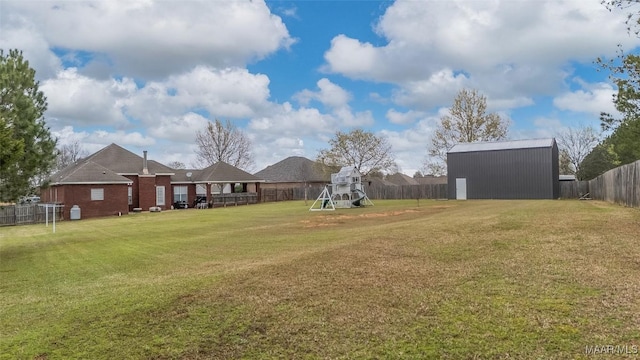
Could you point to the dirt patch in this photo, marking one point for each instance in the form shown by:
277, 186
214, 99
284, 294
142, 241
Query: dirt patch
331, 219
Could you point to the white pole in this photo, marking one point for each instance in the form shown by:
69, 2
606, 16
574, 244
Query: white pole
46, 214
54, 218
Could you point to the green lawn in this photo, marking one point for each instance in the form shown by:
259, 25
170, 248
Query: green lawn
438, 279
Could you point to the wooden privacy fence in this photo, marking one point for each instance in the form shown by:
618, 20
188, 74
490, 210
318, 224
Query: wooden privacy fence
620, 185
573, 189
383, 192
27, 214
425, 191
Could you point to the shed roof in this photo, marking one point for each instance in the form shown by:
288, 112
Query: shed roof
502, 145
295, 169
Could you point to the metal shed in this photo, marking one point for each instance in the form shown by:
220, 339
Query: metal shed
519, 169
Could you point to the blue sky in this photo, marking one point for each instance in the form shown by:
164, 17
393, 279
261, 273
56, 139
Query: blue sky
148, 74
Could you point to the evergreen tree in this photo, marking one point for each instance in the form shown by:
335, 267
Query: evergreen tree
27, 150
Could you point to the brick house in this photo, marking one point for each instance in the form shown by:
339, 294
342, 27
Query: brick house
111, 181
116, 181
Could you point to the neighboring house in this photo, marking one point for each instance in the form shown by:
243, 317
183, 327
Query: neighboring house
401, 179
521, 169
376, 181
294, 171
431, 180
116, 181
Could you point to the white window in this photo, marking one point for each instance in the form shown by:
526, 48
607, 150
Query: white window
130, 195
159, 195
201, 190
97, 194
179, 193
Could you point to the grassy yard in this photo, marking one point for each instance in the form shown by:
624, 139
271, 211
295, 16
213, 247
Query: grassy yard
438, 279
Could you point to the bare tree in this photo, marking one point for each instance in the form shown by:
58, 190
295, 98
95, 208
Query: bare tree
304, 173
576, 144
223, 142
361, 149
467, 121
564, 164
177, 165
435, 167
69, 154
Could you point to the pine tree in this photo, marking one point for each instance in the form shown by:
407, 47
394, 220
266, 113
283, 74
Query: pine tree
27, 149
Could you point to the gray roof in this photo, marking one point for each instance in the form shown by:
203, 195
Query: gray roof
431, 180
223, 172
180, 175
295, 169
87, 172
123, 161
502, 145
109, 164
377, 181
401, 179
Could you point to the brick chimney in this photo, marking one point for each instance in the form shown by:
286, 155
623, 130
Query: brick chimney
145, 169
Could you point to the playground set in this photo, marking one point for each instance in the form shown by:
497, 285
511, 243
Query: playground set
345, 191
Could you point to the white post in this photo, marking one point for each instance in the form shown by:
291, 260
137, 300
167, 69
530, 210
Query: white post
46, 214
54, 218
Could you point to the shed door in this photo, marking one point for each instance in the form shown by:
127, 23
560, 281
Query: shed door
461, 188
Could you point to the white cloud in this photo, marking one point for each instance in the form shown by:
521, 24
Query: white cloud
403, 118
509, 50
34, 47
74, 98
592, 99
180, 128
441, 87
336, 99
350, 56
410, 145
329, 94
285, 120
509, 103
136, 34
165, 107
92, 141
226, 93
120, 137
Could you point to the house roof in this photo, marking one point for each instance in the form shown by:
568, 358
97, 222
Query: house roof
401, 179
223, 172
378, 181
431, 180
123, 161
502, 145
185, 175
295, 169
87, 172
